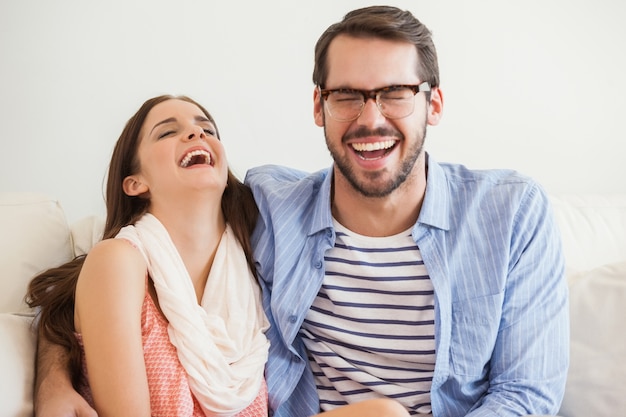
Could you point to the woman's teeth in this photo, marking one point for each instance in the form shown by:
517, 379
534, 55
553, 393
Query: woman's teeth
196, 157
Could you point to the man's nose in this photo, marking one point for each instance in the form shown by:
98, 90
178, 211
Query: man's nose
371, 114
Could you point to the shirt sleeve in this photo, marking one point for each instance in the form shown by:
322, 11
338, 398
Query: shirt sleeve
531, 355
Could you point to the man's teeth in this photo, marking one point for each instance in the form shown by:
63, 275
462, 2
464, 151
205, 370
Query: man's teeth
193, 154
375, 146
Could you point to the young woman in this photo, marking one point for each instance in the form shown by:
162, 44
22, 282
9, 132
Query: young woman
163, 317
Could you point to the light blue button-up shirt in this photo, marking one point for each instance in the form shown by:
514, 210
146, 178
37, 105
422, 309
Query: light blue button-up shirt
493, 253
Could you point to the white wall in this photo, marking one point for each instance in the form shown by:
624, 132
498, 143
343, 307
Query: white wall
538, 86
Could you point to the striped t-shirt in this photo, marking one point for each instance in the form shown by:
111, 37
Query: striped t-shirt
370, 330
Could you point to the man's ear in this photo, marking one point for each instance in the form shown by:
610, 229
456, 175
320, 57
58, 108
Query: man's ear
318, 108
133, 187
435, 107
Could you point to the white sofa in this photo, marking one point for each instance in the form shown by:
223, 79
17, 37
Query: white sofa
35, 235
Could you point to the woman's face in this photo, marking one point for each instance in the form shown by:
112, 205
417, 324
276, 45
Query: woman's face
179, 153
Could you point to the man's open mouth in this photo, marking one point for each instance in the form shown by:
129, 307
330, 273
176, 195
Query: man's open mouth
373, 150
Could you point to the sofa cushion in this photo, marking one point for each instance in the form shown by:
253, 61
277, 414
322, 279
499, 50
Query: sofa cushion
86, 232
35, 236
596, 383
592, 228
17, 362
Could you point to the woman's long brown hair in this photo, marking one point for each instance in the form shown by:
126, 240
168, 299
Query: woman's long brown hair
53, 290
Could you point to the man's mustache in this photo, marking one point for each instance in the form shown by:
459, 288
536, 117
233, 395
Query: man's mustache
364, 132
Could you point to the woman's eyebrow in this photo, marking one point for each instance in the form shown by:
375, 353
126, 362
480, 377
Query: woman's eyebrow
162, 122
202, 119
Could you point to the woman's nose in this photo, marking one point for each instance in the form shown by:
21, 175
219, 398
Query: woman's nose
196, 132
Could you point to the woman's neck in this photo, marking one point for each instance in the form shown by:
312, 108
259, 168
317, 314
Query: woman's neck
196, 229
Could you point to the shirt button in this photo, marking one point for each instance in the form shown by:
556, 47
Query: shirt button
292, 319
318, 264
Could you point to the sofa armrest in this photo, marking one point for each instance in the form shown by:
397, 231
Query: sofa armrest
17, 362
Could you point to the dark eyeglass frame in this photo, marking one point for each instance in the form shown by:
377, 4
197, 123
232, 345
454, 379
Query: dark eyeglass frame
374, 94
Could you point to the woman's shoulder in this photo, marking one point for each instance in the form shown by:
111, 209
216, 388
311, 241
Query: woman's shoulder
117, 259
118, 249
112, 282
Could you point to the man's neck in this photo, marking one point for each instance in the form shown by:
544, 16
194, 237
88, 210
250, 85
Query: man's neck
378, 216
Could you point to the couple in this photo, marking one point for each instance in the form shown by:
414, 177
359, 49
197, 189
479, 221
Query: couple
445, 295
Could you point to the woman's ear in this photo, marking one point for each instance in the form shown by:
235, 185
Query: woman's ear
133, 187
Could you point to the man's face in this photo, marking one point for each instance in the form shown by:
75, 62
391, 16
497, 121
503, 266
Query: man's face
375, 154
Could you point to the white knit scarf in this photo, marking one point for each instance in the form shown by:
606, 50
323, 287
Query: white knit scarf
220, 343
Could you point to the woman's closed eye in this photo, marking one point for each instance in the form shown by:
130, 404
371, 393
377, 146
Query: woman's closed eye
166, 133
209, 131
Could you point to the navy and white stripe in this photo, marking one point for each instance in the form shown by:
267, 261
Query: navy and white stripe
370, 330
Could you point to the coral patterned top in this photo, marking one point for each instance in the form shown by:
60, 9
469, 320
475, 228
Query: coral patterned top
170, 394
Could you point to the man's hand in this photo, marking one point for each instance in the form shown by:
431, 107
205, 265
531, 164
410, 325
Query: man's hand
378, 407
63, 403
54, 394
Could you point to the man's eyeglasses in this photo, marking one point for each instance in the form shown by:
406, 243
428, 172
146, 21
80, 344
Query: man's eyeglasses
394, 101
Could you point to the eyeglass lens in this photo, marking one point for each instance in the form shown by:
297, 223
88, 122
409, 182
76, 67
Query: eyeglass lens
394, 103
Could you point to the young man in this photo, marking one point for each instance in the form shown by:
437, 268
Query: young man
390, 274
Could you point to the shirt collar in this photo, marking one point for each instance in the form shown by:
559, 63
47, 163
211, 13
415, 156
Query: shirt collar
436, 205
435, 208
321, 216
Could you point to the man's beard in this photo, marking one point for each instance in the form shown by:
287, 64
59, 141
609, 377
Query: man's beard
369, 187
